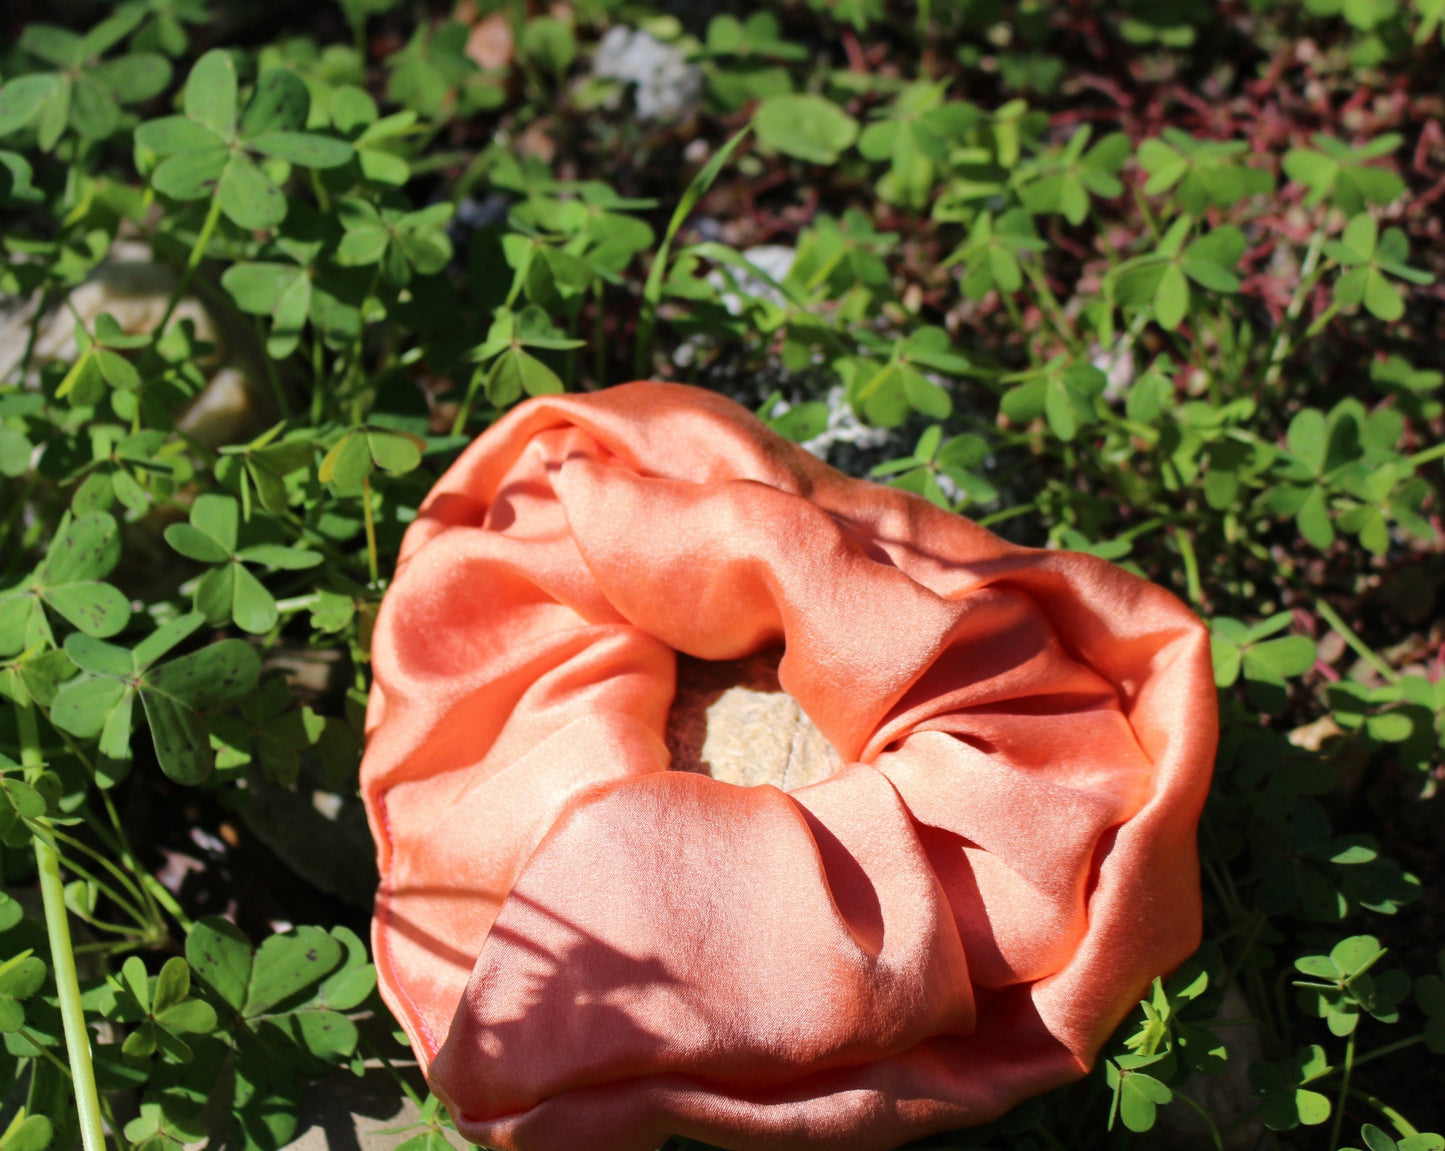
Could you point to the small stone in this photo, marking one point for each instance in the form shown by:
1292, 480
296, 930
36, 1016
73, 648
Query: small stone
667, 86
732, 720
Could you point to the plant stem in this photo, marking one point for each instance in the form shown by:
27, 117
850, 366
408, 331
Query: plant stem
143, 921
1203, 1114
370, 530
652, 290
198, 253
1191, 566
1368, 1057
1282, 343
1050, 304
1357, 645
298, 603
1006, 514
273, 381
62, 956
1338, 1124
1401, 1124
1429, 455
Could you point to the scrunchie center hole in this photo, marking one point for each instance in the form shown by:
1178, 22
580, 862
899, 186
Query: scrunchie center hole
732, 720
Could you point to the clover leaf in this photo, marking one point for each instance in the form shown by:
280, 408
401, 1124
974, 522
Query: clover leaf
1238, 647
1346, 463
1430, 997
1063, 393
163, 1126
1334, 170
805, 126
1377, 1140
513, 370
21, 976
1064, 183
263, 466
915, 135
1161, 279
990, 255
175, 696
280, 291
268, 731
229, 591
402, 242
1203, 173
434, 76
100, 362
163, 1007
291, 991
213, 148
68, 582
1137, 1095
26, 1133
1284, 1103
883, 394
348, 466
956, 460
1339, 988
19, 801
1372, 260
87, 92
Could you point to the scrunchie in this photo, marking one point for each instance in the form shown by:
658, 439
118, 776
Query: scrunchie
590, 952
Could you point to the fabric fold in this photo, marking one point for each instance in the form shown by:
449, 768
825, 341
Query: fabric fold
591, 951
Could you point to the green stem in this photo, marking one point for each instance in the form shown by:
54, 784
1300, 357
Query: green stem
43, 1047
273, 380
1006, 514
1368, 1057
157, 891
126, 880
1283, 343
298, 603
198, 253
1429, 455
1203, 1114
1144, 211
652, 289
42, 829
1401, 1124
1324, 318
1191, 566
1338, 1124
1050, 304
370, 530
62, 956
1357, 645
1016, 318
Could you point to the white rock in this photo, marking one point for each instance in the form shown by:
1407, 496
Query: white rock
844, 428
134, 289
668, 87
736, 286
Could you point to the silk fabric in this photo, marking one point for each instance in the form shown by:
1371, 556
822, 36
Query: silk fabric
590, 952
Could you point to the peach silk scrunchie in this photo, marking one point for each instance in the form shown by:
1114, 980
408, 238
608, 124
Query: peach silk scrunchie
590, 952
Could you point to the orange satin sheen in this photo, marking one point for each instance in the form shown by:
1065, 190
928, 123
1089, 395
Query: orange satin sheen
590, 952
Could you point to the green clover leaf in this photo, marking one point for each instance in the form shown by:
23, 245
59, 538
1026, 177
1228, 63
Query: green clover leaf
175, 697
230, 591
1372, 261
209, 151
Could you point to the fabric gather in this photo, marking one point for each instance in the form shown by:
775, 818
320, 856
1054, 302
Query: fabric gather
592, 952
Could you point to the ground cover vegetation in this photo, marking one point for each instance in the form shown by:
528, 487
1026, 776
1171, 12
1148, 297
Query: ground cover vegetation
1162, 282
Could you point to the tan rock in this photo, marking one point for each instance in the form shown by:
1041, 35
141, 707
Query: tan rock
733, 721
